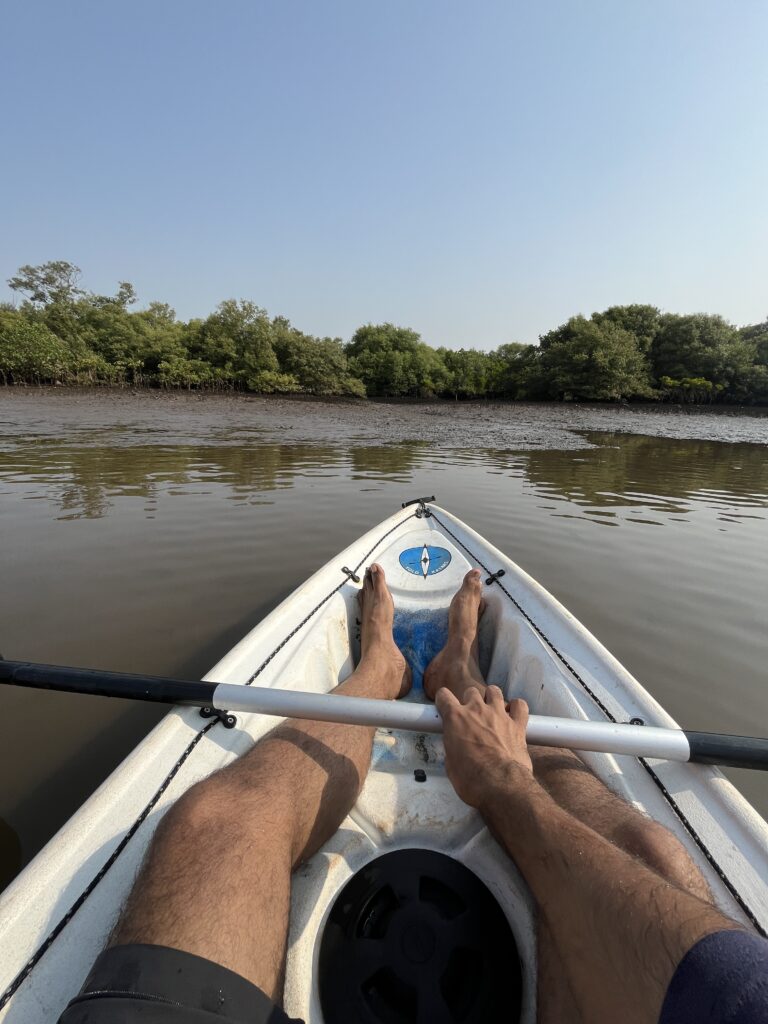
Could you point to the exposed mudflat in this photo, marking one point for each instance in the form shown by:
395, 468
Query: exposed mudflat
147, 417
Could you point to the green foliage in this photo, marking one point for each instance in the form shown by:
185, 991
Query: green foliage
179, 372
640, 320
689, 389
61, 333
756, 336
29, 351
56, 281
516, 372
318, 365
469, 372
702, 346
235, 341
594, 360
270, 382
395, 361
758, 384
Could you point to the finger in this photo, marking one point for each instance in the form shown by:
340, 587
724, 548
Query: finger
445, 701
473, 696
494, 697
518, 712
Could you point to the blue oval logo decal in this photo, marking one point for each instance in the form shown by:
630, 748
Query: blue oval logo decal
425, 561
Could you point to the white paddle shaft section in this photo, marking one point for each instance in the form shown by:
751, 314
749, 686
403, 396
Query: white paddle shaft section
603, 737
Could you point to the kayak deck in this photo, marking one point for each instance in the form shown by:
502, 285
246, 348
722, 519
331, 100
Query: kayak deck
57, 915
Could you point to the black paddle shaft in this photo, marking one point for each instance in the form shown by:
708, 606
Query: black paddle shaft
735, 751
106, 684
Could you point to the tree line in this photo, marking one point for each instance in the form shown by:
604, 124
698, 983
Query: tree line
59, 333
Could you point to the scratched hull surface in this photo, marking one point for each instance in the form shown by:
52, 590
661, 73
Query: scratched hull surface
530, 646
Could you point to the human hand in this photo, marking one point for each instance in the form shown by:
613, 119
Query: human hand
484, 741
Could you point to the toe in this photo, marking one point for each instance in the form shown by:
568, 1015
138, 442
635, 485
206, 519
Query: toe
472, 581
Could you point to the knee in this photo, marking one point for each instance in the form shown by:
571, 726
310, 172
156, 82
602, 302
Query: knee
220, 813
651, 843
656, 847
198, 815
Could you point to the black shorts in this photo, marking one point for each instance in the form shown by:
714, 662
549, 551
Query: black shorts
724, 977
156, 985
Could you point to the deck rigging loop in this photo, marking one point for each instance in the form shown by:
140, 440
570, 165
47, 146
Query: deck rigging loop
351, 574
227, 720
495, 576
676, 808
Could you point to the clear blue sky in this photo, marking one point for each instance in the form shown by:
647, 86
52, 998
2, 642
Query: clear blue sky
478, 171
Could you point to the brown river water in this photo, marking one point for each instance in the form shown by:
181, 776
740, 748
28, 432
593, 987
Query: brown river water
148, 532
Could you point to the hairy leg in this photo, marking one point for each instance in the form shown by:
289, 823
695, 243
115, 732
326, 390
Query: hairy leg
568, 780
574, 787
216, 880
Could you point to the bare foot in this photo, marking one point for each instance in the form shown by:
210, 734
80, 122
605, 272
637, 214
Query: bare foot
457, 665
377, 646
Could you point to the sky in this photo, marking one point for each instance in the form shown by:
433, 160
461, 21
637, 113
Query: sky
476, 171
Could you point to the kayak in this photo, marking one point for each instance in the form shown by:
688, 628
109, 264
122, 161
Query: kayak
365, 909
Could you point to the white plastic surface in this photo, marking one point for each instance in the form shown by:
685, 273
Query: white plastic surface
394, 811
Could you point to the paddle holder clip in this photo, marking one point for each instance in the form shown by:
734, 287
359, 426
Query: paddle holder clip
351, 574
227, 720
494, 576
422, 511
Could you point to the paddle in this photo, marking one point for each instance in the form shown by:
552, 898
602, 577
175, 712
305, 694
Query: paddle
606, 737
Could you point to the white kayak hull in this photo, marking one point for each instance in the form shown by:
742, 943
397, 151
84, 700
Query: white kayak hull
57, 915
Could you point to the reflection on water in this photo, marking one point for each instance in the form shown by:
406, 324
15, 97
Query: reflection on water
85, 482
661, 475
620, 472
132, 550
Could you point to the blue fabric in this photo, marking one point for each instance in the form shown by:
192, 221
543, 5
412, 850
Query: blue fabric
723, 979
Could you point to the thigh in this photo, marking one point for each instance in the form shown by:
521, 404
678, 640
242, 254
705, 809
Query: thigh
217, 883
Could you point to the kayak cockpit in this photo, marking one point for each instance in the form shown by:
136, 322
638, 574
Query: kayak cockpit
56, 916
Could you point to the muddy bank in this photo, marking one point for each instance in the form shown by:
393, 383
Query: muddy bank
147, 417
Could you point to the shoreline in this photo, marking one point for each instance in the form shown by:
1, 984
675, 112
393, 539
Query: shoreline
182, 395
131, 416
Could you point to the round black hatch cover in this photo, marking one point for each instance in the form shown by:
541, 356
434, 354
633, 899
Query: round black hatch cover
416, 937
